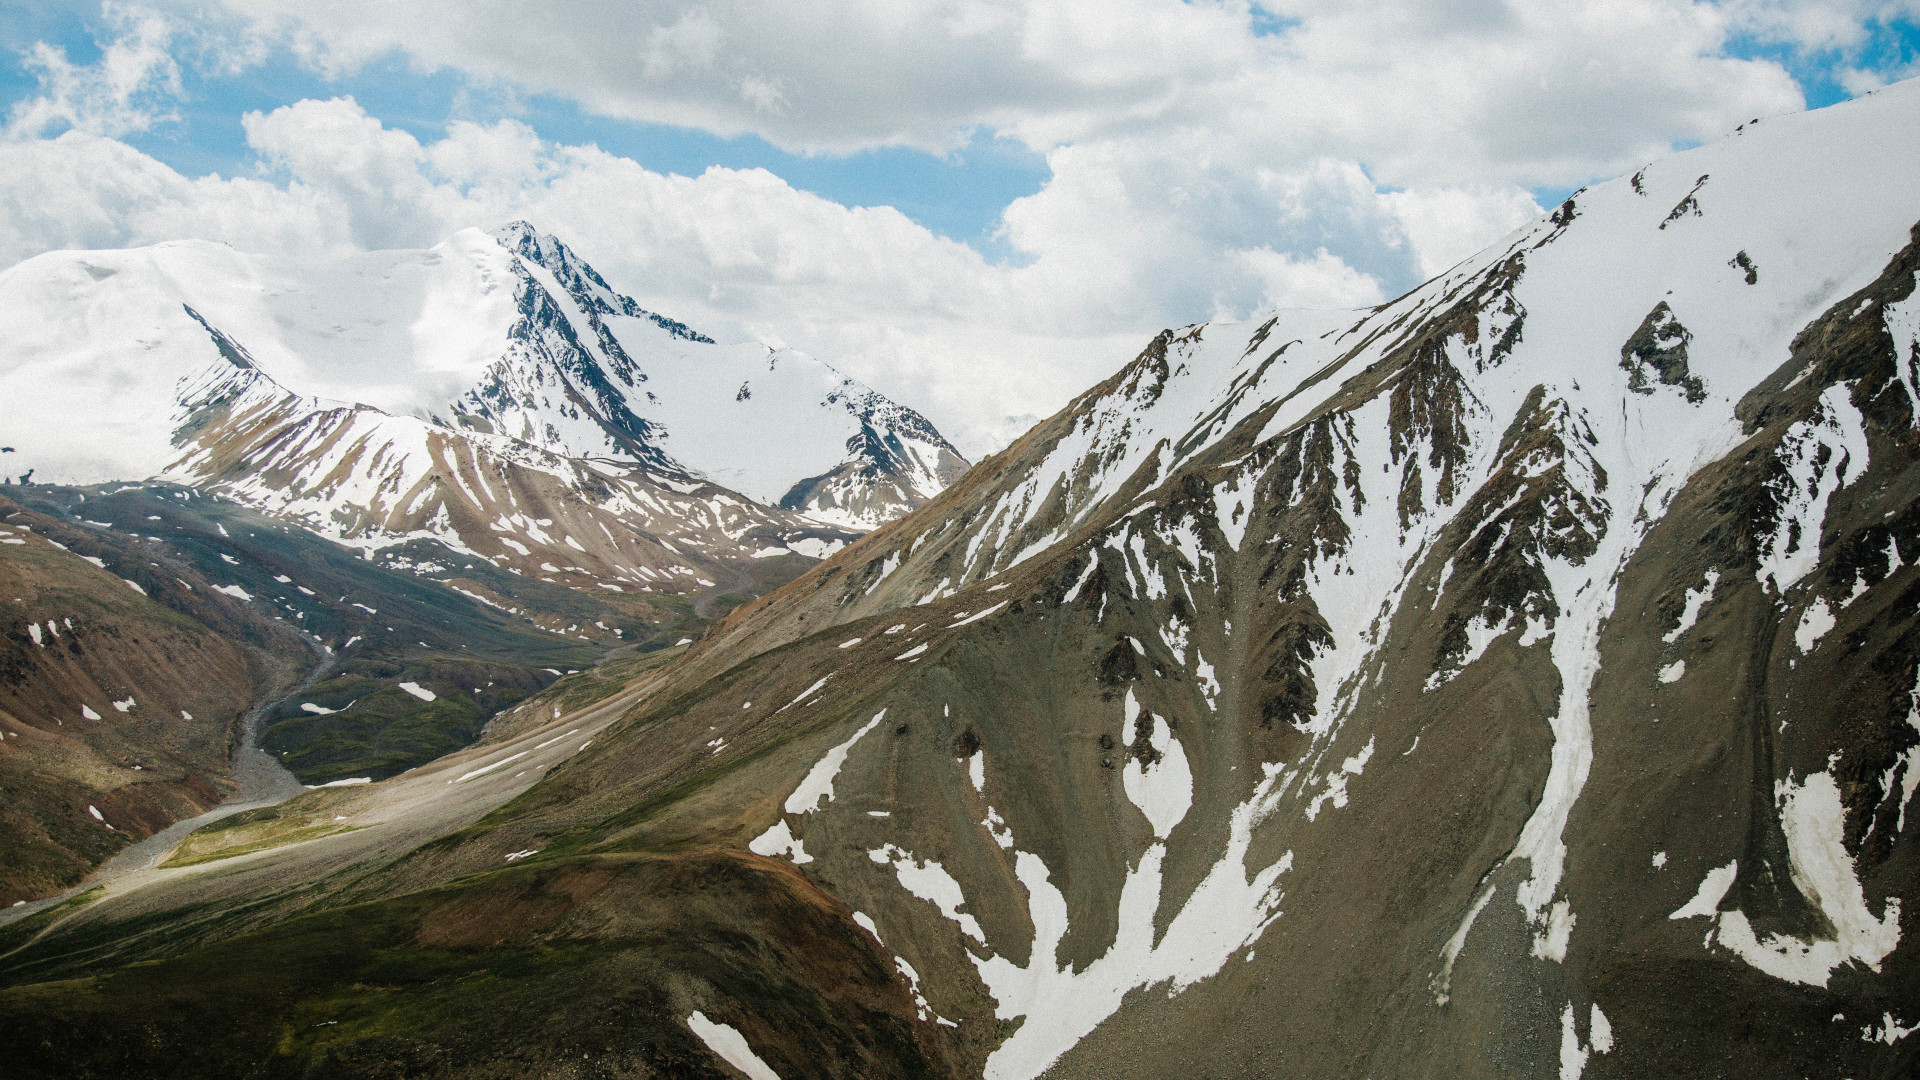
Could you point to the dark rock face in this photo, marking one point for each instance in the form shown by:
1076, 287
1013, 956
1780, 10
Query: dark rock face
547, 366
1657, 352
582, 282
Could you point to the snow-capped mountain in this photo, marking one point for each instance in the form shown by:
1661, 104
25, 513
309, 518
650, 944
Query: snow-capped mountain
333, 392
1521, 678
588, 372
507, 333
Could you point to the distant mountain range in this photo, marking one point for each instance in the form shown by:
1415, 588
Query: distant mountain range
397, 393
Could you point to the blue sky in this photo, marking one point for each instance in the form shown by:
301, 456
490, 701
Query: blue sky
958, 195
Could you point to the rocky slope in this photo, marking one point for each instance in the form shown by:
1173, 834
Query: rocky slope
414, 492
1518, 679
143, 622
120, 696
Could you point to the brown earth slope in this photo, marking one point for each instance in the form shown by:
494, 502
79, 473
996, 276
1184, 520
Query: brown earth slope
113, 701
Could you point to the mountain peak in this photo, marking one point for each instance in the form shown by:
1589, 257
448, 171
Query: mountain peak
506, 332
580, 280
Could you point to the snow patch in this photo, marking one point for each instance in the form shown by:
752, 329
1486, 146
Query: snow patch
1574, 1055
930, 881
808, 692
1813, 818
485, 769
806, 798
1814, 624
1821, 454
818, 783
1336, 789
977, 617
815, 548
1890, 1031
779, 840
1696, 599
730, 1046
1162, 790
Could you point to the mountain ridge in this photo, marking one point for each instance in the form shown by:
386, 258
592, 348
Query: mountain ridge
506, 332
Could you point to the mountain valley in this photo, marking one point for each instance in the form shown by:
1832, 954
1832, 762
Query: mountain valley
440, 571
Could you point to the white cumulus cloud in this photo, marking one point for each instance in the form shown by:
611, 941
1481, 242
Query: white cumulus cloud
131, 88
1207, 159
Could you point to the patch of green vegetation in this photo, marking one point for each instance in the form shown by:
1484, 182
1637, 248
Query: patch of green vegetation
191, 854
497, 976
377, 729
306, 816
249, 817
726, 602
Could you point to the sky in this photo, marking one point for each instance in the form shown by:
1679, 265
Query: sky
979, 207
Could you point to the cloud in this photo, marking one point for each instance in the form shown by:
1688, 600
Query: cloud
739, 253
1119, 243
1445, 225
1201, 167
131, 88
1841, 26
1320, 282
1489, 91
84, 191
